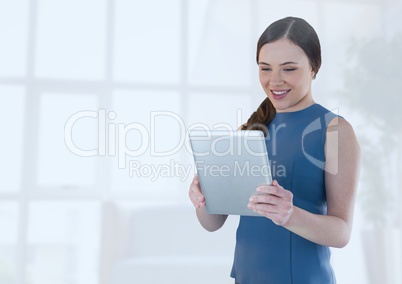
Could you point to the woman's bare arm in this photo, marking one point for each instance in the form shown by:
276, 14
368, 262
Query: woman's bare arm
341, 177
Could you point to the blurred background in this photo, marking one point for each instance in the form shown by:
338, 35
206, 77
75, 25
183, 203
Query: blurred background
97, 95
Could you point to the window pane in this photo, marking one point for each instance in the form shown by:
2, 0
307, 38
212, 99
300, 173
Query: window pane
366, 20
63, 242
12, 129
141, 171
147, 41
13, 37
60, 164
8, 241
391, 16
220, 50
307, 10
71, 39
230, 110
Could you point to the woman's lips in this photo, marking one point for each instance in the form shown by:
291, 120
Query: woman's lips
279, 94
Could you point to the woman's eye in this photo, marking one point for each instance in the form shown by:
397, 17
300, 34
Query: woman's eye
289, 69
265, 69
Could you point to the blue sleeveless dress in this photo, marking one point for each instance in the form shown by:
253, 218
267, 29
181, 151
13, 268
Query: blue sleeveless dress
269, 254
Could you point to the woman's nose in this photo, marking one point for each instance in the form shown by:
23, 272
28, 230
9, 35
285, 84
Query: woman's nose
276, 79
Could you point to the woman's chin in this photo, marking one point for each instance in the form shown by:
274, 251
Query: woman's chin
280, 106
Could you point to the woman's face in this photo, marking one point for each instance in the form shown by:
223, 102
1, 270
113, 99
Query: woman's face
286, 75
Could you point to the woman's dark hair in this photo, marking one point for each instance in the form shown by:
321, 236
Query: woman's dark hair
302, 34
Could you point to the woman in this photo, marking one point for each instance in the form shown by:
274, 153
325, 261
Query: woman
309, 207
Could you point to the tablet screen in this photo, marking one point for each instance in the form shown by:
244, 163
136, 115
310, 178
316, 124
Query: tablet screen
230, 165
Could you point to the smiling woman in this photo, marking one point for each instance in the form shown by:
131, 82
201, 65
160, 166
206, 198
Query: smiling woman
287, 83
310, 208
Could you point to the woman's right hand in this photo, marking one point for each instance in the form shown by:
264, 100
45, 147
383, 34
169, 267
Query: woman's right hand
195, 193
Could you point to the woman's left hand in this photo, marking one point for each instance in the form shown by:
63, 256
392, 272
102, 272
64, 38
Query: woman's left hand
273, 202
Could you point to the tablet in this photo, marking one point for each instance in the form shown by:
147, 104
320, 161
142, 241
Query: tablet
230, 165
